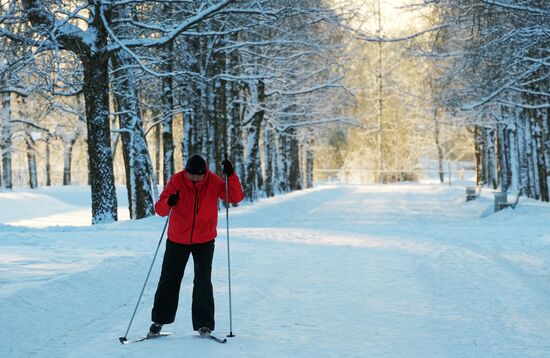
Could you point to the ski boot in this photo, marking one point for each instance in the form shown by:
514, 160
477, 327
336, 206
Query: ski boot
205, 331
154, 330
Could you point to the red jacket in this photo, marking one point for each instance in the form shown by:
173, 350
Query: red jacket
195, 216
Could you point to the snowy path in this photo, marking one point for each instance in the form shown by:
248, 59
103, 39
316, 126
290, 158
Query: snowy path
338, 271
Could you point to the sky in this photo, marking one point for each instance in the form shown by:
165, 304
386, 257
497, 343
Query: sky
396, 20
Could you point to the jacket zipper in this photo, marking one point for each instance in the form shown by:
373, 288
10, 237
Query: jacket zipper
195, 209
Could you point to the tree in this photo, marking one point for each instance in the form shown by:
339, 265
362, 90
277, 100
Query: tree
86, 31
252, 80
497, 78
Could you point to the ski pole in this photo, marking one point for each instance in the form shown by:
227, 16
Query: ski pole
124, 339
228, 253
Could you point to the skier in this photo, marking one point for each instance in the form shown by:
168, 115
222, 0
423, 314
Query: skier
192, 195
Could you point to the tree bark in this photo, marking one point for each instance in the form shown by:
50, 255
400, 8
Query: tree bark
96, 96
31, 162
503, 154
5, 143
294, 176
309, 160
268, 161
158, 164
478, 151
134, 146
48, 163
514, 159
253, 142
168, 114
437, 133
281, 164
539, 135
492, 172
67, 159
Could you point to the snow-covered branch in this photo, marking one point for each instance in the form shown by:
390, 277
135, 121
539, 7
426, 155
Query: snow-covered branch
365, 37
171, 34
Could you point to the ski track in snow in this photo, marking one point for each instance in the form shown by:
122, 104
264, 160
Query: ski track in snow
337, 271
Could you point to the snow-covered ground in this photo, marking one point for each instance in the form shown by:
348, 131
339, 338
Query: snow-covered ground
404, 270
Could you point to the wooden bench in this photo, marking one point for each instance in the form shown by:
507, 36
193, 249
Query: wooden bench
501, 200
472, 192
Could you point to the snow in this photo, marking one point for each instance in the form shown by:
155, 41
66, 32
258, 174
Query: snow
409, 270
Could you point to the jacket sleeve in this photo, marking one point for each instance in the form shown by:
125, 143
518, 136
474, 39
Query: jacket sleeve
161, 207
235, 189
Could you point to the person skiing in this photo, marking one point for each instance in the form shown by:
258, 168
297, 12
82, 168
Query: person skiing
191, 198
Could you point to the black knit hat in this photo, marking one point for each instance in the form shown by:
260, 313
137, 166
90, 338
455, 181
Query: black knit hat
196, 165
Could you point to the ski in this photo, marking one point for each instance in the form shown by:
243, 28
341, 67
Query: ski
141, 339
215, 339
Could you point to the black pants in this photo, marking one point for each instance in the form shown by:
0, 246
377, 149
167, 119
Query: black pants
173, 267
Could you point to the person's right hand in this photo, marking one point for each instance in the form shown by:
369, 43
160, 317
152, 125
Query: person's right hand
228, 169
173, 199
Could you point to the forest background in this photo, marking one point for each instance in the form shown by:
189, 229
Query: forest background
122, 92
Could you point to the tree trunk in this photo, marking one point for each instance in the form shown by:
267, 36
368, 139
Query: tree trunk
168, 115
220, 111
96, 97
521, 152
230, 103
437, 133
531, 154
478, 151
492, 171
546, 150
542, 154
294, 177
203, 125
134, 146
211, 126
503, 154
188, 124
95, 66
5, 143
67, 158
281, 164
234, 144
268, 161
189, 116
31, 162
309, 160
193, 125
253, 142
167, 56
250, 160
48, 163
157, 153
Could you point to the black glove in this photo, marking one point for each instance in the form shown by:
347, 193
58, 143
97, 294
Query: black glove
173, 199
228, 168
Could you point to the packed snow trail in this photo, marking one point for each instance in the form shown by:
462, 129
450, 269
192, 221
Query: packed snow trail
337, 271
